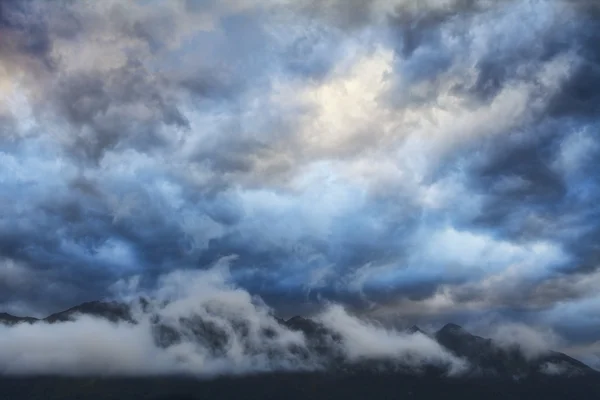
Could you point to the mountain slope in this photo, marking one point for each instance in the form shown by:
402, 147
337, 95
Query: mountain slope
324, 347
9, 319
488, 358
111, 311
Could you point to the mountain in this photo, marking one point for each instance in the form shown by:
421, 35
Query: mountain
319, 337
9, 319
488, 358
485, 357
415, 329
111, 311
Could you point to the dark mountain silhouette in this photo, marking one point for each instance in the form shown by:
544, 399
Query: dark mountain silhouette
111, 311
10, 319
415, 329
485, 358
320, 339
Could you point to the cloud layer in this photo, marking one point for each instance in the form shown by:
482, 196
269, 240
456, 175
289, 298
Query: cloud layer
198, 323
427, 159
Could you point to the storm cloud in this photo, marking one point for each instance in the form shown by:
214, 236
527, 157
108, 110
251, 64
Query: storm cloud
418, 159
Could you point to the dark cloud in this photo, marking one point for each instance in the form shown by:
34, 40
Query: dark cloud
24, 32
438, 156
419, 24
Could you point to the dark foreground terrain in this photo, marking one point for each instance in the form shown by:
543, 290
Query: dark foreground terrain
298, 386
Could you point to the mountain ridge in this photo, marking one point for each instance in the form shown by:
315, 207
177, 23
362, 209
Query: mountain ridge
485, 357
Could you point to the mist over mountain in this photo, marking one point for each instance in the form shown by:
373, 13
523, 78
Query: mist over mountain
101, 350
198, 324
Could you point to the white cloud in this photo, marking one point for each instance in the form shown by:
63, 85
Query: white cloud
92, 346
363, 340
533, 341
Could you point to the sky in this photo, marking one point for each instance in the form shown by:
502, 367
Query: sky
422, 161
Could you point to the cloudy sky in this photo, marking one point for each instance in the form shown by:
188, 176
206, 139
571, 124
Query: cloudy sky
428, 160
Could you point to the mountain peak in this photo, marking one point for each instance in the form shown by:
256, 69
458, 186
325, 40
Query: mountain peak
452, 328
415, 329
6, 318
113, 311
482, 354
